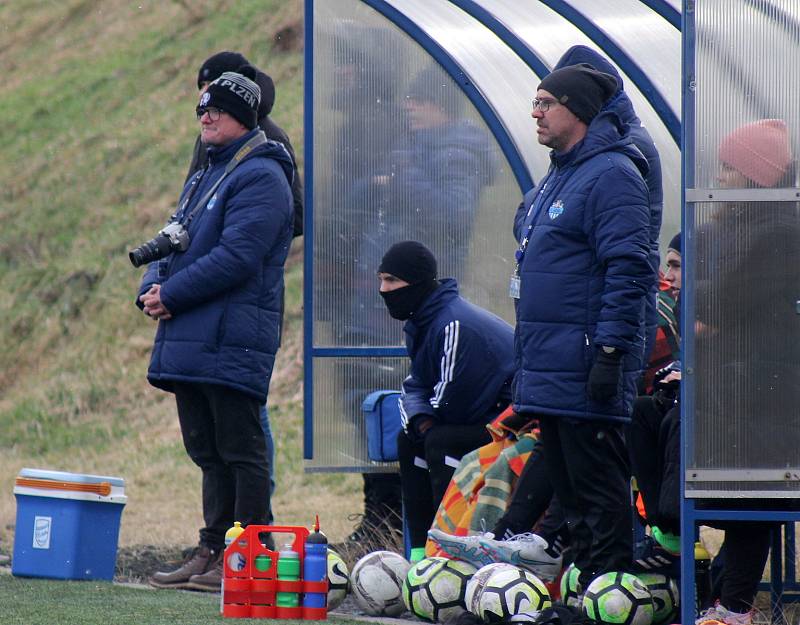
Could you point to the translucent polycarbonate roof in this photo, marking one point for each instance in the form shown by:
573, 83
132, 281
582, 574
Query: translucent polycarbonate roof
643, 45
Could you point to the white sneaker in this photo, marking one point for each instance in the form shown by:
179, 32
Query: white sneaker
465, 548
722, 614
527, 551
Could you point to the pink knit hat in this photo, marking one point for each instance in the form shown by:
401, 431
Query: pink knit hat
760, 151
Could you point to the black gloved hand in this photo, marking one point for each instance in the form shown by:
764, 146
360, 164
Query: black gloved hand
604, 376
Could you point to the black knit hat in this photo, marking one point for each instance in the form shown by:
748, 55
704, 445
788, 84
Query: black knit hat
216, 65
410, 261
581, 88
675, 244
236, 94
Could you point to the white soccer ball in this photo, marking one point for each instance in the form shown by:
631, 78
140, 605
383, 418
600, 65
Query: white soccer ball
338, 580
618, 599
508, 593
666, 598
377, 583
478, 581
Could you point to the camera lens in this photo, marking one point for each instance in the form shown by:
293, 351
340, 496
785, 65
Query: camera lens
152, 250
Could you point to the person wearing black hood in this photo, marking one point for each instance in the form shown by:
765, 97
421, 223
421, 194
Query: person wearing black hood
211, 69
461, 369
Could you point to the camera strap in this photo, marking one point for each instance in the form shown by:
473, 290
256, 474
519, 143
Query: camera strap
248, 147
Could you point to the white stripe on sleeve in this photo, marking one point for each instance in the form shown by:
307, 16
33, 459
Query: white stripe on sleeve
448, 363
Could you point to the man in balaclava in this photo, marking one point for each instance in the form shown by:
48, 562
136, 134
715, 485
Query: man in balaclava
461, 369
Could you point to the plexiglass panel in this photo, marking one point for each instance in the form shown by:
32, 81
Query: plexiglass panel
747, 349
399, 153
746, 70
506, 82
549, 35
745, 425
340, 385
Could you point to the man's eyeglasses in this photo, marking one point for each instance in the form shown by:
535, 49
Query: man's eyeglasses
213, 112
543, 105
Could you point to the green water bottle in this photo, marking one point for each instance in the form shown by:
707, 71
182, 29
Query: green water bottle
288, 571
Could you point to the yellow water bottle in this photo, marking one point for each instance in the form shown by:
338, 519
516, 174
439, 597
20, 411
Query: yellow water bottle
235, 561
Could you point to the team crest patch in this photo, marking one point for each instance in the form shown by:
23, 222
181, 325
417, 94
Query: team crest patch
204, 98
211, 202
556, 208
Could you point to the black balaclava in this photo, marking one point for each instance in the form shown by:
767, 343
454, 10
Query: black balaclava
413, 262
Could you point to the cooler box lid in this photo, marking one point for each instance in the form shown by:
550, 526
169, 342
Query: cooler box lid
63, 485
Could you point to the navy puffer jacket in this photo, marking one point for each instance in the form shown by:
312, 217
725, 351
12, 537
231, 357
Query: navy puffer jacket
622, 106
585, 275
225, 292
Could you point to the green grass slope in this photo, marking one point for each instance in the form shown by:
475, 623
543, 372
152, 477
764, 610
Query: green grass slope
97, 129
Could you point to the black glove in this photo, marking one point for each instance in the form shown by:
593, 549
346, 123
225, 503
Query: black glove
605, 375
418, 426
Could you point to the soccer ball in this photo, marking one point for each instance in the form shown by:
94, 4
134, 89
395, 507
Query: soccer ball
377, 583
618, 599
415, 587
508, 593
571, 587
434, 588
666, 599
478, 581
338, 580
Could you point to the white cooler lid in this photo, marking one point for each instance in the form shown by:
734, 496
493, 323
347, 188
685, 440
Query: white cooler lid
64, 485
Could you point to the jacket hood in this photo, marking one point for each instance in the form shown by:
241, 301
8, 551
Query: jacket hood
607, 133
448, 290
620, 102
267, 86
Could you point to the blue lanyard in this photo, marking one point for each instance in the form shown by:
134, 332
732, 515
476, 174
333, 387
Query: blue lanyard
531, 218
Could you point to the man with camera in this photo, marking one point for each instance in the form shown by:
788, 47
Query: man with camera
215, 283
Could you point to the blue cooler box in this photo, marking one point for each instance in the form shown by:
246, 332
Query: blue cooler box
67, 524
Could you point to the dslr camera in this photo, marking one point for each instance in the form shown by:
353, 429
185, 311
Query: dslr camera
172, 238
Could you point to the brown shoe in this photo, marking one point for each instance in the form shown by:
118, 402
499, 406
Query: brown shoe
211, 580
199, 562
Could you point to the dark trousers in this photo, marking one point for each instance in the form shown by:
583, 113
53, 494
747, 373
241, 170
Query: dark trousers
653, 439
588, 467
740, 562
222, 434
423, 487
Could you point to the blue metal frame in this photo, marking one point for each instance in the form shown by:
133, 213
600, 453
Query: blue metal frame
308, 231
495, 125
665, 10
688, 529
625, 62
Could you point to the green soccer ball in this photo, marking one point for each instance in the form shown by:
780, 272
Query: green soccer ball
571, 587
666, 599
415, 587
618, 599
